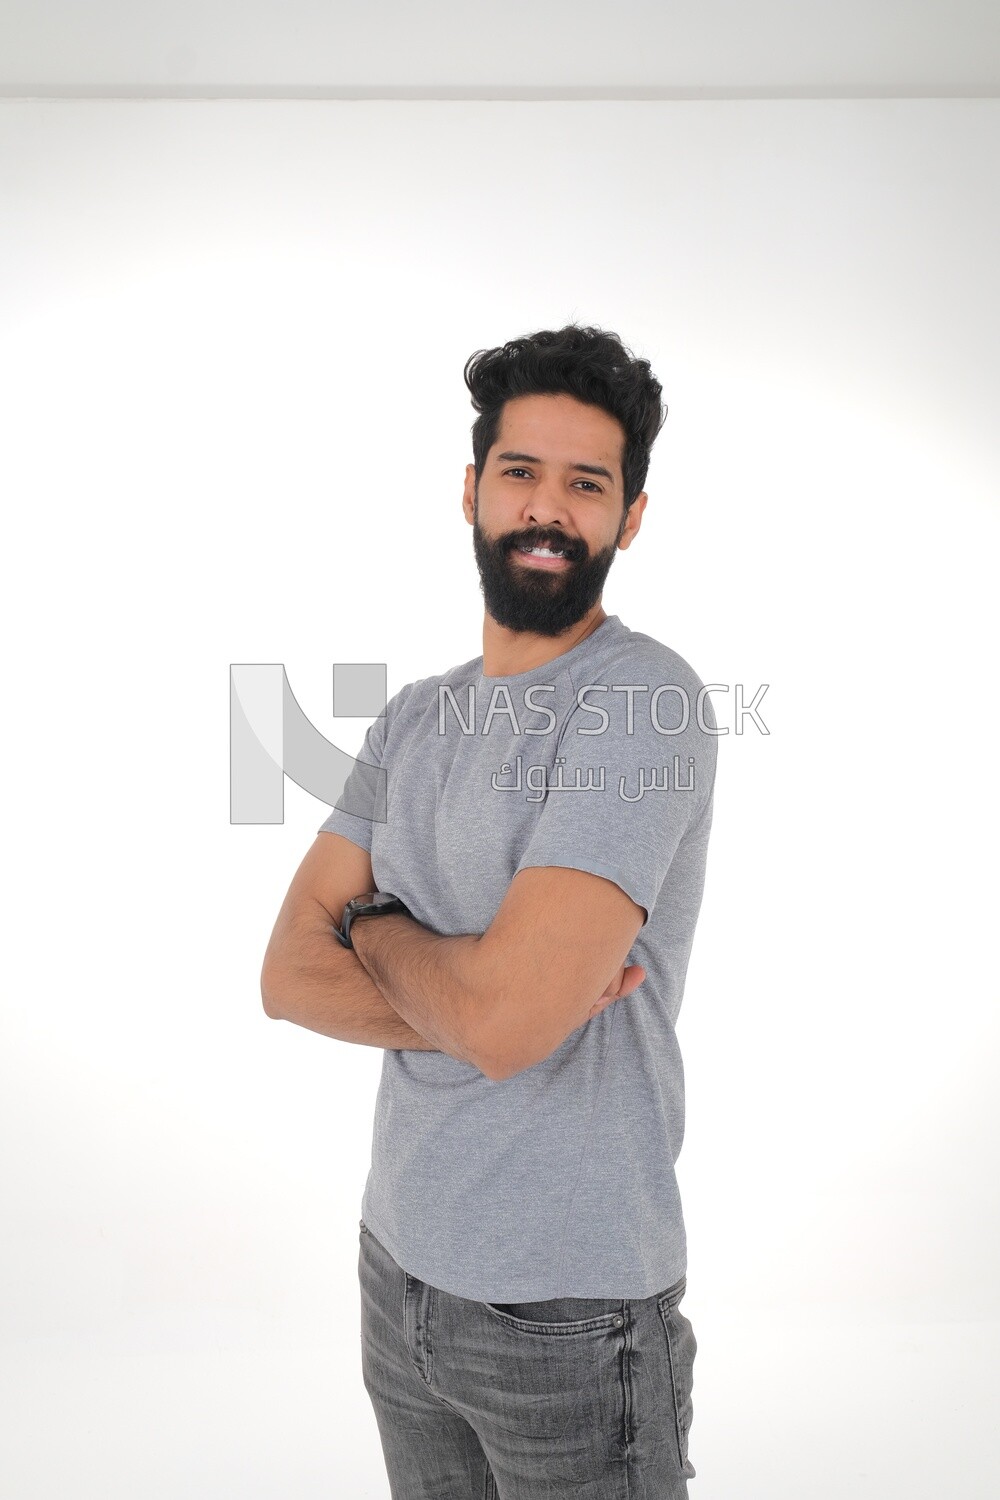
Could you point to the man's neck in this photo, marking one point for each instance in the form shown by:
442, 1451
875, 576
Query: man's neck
508, 652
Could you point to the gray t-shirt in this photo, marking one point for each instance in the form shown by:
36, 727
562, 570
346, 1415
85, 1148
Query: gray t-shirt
558, 1182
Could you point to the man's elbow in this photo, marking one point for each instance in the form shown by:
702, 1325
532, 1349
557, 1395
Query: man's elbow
509, 1037
269, 993
495, 1071
518, 1034
500, 1065
500, 1074
493, 1068
487, 1044
501, 1053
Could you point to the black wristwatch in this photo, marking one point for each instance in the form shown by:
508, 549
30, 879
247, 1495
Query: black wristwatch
374, 904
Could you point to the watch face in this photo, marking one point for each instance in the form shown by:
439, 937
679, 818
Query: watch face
368, 905
383, 898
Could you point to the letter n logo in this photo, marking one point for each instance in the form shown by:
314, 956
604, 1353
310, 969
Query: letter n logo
270, 738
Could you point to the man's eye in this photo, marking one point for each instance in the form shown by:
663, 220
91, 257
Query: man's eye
595, 487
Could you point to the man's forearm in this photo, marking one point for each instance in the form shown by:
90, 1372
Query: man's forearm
431, 980
329, 990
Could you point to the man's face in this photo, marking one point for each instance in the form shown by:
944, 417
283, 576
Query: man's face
553, 479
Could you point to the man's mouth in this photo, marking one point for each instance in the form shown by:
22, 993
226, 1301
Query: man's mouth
543, 557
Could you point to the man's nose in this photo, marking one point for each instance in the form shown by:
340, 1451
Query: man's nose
547, 507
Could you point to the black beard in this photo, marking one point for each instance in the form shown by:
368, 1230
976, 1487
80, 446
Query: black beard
536, 599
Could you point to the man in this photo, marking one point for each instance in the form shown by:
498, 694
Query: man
536, 821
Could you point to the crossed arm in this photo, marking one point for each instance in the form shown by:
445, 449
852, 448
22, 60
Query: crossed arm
502, 1000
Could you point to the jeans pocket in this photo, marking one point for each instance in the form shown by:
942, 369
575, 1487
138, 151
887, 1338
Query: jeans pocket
560, 1315
681, 1349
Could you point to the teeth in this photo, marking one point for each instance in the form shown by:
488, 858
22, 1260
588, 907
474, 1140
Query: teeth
542, 552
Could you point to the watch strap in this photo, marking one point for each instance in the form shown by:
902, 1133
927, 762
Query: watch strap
374, 904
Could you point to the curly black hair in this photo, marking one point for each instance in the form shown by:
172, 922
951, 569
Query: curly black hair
588, 363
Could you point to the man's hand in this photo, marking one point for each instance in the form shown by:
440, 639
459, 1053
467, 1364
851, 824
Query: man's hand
628, 978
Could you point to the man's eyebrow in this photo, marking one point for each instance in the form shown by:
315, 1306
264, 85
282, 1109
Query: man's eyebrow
526, 458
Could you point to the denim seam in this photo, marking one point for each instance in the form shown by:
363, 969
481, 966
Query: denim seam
627, 1391
671, 1359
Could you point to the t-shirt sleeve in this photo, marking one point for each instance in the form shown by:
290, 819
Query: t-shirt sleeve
648, 788
363, 800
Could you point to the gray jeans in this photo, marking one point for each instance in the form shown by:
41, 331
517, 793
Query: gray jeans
582, 1396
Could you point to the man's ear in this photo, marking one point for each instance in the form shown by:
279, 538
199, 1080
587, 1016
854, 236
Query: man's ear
469, 493
634, 520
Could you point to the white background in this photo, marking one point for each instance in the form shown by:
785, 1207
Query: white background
235, 430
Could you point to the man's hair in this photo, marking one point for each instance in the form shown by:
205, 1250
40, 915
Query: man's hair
588, 363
